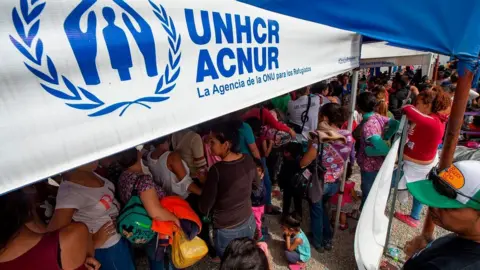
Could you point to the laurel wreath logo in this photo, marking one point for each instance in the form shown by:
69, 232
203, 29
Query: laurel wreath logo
27, 24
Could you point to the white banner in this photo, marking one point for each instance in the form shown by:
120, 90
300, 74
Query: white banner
397, 61
81, 80
372, 226
381, 54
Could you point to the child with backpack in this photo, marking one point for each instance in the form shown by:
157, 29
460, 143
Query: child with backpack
297, 247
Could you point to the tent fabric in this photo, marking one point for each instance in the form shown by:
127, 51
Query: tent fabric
383, 55
82, 80
440, 26
371, 231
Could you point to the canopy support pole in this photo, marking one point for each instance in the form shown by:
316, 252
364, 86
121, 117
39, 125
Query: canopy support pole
353, 101
452, 132
402, 132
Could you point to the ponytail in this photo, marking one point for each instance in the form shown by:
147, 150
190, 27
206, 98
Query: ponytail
381, 107
381, 95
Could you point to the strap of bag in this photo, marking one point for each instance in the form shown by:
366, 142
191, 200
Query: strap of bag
316, 163
304, 115
134, 190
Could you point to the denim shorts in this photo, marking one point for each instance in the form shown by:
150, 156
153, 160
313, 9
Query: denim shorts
223, 237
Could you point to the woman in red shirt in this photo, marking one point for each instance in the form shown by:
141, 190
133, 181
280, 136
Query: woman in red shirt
425, 134
22, 246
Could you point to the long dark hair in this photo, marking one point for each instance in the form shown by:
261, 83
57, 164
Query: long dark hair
15, 208
335, 113
367, 102
228, 132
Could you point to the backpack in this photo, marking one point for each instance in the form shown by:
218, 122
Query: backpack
134, 223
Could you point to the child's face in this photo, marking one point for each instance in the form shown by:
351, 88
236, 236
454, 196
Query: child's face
260, 172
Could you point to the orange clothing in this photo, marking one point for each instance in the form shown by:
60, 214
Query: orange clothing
181, 209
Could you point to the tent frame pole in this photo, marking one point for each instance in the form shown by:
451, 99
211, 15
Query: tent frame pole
353, 101
402, 132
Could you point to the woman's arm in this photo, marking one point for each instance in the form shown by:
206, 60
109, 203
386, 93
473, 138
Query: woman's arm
175, 165
379, 146
416, 116
61, 218
209, 194
76, 246
254, 150
151, 203
250, 140
269, 120
294, 245
310, 155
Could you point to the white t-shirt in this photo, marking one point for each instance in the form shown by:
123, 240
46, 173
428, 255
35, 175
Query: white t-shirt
95, 206
297, 107
166, 178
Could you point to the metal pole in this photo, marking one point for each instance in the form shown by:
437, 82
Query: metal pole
435, 70
402, 131
454, 125
353, 102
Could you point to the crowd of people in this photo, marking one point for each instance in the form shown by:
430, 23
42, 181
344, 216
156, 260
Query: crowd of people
227, 170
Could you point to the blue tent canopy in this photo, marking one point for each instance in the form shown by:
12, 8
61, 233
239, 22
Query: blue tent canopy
441, 26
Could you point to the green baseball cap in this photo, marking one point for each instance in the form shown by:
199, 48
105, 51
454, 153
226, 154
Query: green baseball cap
456, 187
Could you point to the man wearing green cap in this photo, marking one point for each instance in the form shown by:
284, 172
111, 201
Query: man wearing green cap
453, 196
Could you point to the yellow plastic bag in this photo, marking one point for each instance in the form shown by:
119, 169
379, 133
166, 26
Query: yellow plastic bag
186, 253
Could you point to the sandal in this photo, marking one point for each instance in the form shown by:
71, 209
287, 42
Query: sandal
407, 219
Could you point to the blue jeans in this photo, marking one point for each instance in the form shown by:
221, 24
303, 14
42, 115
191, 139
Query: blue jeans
416, 207
319, 219
267, 182
292, 256
223, 237
157, 256
367, 182
118, 256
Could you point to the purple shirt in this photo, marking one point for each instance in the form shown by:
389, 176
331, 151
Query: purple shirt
143, 182
373, 126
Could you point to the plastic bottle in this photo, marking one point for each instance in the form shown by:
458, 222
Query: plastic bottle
394, 253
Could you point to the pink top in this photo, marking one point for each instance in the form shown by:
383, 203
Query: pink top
211, 158
374, 125
421, 146
347, 194
268, 119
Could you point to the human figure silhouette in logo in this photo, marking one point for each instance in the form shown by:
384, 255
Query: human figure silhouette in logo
84, 44
117, 45
143, 38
